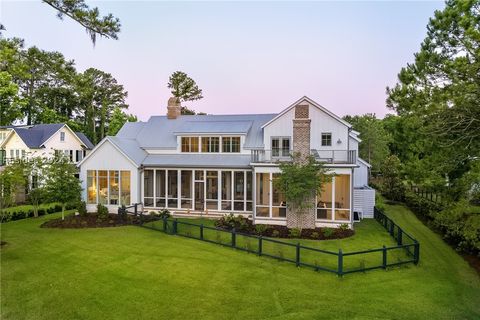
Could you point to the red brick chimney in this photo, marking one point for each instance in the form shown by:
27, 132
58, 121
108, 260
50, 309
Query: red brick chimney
174, 109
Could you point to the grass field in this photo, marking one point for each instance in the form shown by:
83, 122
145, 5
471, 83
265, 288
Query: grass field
131, 272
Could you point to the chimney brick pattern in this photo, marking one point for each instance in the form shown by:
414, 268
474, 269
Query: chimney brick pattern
174, 109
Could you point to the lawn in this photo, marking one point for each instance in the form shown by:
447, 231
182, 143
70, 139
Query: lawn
132, 272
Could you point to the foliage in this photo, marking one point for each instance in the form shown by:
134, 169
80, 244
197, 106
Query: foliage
375, 139
107, 26
344, 227
392, 185
12, 178
27, 211
118, 119
260, 228
299, 181
328, 232
61, 185
10, 102
185, 88
82, 208
275, 233
230, 222
102, 211
294, 233
165, 214
315, 235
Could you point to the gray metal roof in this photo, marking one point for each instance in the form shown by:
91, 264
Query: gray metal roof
35, 136
131, 148
85, 140
197, 160
208, 127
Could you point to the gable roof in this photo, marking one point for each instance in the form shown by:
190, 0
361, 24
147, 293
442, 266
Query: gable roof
364, 162
35, 136
313, 103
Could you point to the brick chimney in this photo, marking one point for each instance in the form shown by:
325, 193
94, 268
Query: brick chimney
174, 109
302, 218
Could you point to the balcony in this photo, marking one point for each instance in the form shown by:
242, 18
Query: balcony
324, 156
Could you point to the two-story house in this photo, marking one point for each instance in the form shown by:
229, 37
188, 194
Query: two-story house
217, 164
42, 140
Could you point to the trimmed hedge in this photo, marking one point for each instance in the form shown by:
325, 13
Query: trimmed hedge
26, 211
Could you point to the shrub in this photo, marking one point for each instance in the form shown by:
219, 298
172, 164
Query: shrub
164, 214
275, 233
231, 222
328, 232
153, 213
102, 211
294, 233
344, 227
315, 235
81, 208
260, 229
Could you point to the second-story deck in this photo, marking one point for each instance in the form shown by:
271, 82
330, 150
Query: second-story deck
325, 156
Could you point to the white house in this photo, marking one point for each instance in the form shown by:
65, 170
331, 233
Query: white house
217, 164
42, 140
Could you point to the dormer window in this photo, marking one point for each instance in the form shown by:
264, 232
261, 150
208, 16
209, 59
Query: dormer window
326, 139
190, 144
230, 144
210, 144
62, 136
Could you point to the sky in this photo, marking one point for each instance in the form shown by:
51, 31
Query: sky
248, 57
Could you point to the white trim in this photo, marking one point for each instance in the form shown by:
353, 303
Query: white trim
310, 101
364, 162
71, 131
114, 145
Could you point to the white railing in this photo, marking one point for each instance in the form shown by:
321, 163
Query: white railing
326, 156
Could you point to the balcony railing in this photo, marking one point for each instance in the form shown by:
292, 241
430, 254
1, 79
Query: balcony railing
326, 156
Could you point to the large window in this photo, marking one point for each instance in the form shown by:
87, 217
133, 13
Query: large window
342, 197
226, 190
125, 188
249, 191
212, 190
210, 144
189, 144
172, 188
114, 185
333, 201
326, 139
91, 186
230, 144
324, 202
160, 188
281, 147
239, 191
263, 194
187, 190
148, 188
279, 203
102, 186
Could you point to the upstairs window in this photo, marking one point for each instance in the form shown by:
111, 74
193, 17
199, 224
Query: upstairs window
326, 139
230, 144
210, 144
189, 144
281, 147
62, 136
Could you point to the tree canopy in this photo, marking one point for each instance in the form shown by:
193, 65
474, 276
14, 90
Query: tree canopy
185, 88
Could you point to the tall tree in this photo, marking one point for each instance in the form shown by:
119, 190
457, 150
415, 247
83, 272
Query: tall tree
440, 91
375, 139
185, 88
10, 102
118, 119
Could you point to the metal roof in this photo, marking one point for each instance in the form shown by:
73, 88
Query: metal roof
210, 127
197, 160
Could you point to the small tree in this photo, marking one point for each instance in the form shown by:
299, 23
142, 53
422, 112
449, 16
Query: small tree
36, 192
392, 185
299, 181
61, 185
12, 179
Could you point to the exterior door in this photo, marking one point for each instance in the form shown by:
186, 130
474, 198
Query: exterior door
199, 196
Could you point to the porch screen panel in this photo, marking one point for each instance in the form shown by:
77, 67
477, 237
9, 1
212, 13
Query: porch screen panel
262, 194
186, 188
249, 191
227, 190
342, 197
172, 188
125, 188
279, 203
102, 186
91, 186
239, 185
113, 177
212, 190
160, 189
324, 202
148, 188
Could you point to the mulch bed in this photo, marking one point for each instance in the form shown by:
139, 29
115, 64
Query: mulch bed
92, 220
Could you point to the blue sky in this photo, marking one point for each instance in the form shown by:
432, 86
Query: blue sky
248, 57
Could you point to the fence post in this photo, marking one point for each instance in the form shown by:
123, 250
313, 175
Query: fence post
234, 238
340, 263
385, 221
260, 245
416, 252
392, 226
175, 226
135, 205
201, 231
399, 237
384, 257
297, 256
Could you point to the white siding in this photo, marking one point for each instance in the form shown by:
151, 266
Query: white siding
108, 157
360, 175
364, 201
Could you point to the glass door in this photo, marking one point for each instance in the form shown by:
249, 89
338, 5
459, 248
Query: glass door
199, 196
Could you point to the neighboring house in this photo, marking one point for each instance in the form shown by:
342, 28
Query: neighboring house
42, 140
217, 164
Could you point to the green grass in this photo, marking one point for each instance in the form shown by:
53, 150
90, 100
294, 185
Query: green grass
132, 272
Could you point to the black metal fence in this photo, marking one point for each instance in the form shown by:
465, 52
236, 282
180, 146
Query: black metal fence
406, 251
436, 197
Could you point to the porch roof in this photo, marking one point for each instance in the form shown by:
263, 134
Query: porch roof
197, 161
